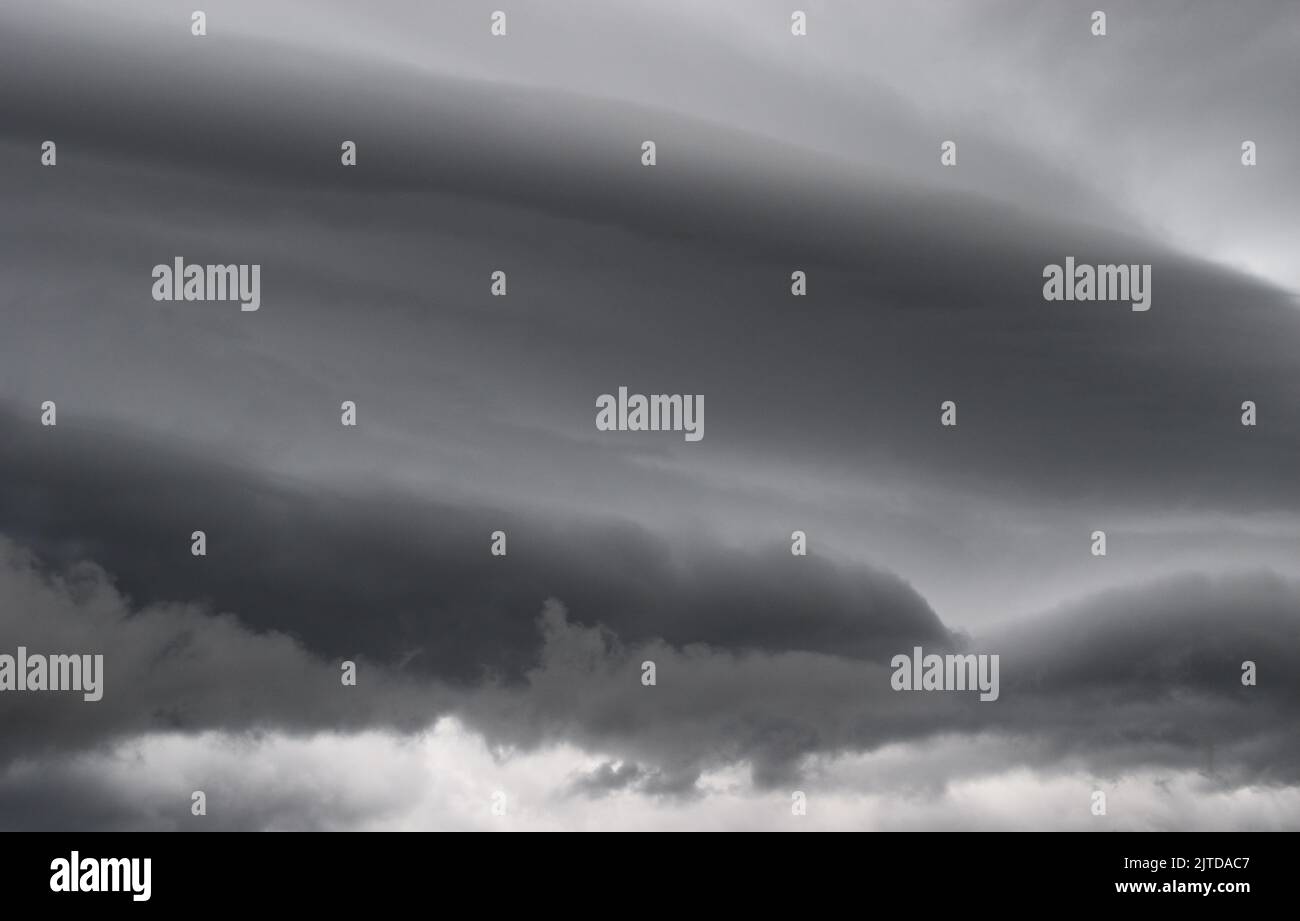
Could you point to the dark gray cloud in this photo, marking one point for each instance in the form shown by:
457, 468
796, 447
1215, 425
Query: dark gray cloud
608, 778
1155, 675
403, 579
918, 293
58, 796
1147, 679
173, 667
822, 412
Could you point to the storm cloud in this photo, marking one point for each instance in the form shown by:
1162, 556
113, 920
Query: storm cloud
476, 413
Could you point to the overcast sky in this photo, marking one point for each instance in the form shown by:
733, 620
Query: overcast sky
476, 413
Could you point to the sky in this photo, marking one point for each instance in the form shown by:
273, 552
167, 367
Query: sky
522, 674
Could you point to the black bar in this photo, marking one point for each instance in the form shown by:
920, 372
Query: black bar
332, 872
